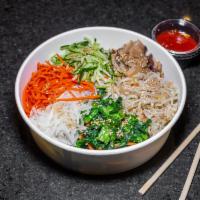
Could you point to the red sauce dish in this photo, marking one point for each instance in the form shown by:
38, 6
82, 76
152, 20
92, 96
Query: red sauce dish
176, 40
180, 37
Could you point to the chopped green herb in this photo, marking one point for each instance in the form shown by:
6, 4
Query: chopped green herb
101, 91
108, 127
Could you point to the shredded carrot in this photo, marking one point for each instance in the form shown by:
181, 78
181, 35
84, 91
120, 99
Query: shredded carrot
49, 82
78, 98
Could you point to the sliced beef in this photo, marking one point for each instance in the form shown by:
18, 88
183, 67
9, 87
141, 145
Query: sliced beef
132, 58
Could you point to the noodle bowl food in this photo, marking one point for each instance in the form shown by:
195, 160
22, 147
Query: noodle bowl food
100, 106
101, 99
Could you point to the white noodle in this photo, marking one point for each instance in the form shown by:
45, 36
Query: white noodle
61, 120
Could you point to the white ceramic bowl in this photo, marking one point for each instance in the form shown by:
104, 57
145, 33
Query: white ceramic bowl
104, 161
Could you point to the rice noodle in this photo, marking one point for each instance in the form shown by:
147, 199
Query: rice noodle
61, 120
148, 96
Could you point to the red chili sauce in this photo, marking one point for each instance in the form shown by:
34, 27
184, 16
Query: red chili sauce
176, 40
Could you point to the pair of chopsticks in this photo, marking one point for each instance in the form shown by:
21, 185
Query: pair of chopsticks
169, 161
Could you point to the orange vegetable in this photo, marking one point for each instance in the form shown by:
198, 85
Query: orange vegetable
49, 82
78, 98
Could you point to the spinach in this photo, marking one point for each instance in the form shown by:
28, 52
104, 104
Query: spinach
108, 127
101, 91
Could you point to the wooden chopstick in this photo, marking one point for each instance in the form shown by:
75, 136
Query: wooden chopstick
190, 174
167, 163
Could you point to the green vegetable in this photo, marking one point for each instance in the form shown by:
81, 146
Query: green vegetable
108, 127
105, 135
55, 60
101, 91
91, 62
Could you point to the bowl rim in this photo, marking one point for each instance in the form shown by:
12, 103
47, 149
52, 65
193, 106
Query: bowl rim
100, 152
175, 21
